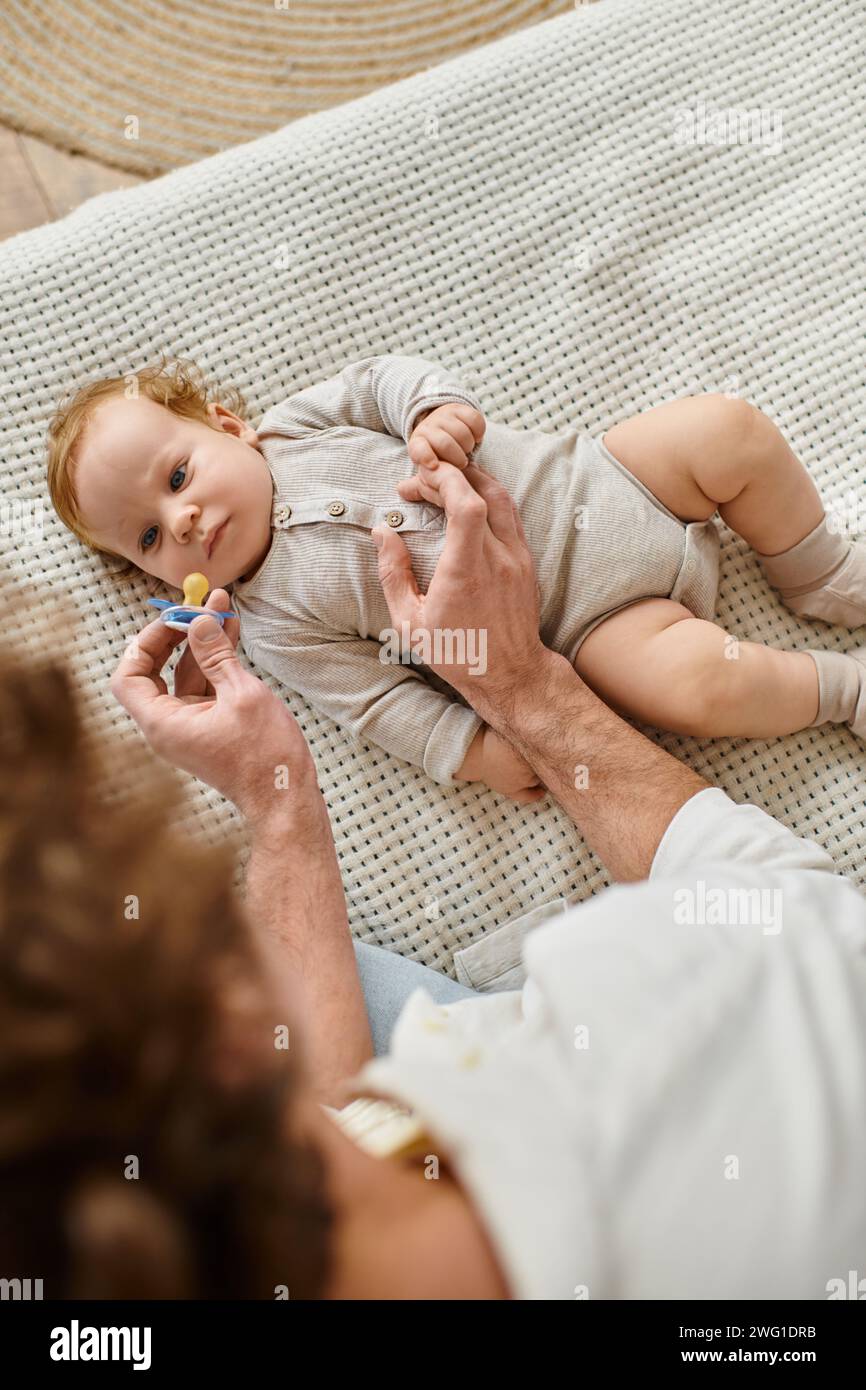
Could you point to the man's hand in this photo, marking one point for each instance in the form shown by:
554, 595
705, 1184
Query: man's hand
221, 724
532, 697
484, 583
225, 726
448, 434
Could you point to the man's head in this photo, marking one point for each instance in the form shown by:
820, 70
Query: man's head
152, 1142
149, 469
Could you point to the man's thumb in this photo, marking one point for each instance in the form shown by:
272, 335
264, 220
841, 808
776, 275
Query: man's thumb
395, 569
210, 644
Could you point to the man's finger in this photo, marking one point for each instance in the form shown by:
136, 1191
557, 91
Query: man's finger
214, 653
410, 490
396, 575
466, 514
518, 523
500, 511
138, 682
189, 678
156, 642
220, 599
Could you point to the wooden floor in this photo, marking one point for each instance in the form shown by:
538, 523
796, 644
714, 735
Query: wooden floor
40, 183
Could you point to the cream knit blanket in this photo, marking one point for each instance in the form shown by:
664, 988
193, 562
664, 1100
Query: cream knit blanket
642, 200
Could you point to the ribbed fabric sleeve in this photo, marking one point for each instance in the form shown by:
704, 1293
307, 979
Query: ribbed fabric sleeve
383, 393
387, 704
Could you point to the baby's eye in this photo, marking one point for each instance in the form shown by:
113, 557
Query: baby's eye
144, 542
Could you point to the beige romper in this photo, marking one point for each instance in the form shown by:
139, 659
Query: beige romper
314, 613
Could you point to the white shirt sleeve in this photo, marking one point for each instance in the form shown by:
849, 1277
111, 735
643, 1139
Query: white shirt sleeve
712, 829
674, 1107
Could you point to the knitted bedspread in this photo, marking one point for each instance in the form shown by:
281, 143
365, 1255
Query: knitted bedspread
639, 200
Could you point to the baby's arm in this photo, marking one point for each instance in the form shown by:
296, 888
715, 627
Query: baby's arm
491, 759
387, 393
387, 704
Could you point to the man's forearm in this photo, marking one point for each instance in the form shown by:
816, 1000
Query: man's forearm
296, 904
621, 790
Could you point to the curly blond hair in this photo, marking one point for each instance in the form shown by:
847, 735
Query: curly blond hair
180, 385
144, 1144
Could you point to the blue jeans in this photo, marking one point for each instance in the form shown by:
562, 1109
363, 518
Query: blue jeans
388, 979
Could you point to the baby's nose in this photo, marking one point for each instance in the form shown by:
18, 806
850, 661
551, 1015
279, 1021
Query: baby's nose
184, 525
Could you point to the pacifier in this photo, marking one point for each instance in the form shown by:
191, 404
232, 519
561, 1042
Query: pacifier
180, 615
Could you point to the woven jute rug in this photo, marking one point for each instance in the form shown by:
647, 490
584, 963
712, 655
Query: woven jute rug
147, 85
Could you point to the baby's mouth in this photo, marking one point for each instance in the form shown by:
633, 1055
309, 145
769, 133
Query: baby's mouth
217, 537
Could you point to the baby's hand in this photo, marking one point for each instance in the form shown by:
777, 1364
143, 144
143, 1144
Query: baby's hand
493, 760
423, 486
448, 434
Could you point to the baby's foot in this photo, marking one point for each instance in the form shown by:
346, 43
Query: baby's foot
822, 576
841, 598
857, 722
842, 688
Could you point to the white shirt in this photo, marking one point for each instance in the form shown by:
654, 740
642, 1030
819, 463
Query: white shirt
674, 1104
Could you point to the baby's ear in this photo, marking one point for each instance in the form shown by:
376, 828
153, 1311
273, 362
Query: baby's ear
220, 416
224, 419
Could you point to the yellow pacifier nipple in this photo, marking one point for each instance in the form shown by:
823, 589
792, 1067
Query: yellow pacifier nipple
195, 586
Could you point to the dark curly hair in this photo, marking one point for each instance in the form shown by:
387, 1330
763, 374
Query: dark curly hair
145, 1138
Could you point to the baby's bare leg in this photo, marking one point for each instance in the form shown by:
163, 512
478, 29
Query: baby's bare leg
712, 452
657, 662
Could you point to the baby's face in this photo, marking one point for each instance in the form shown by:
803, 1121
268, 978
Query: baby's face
155, 487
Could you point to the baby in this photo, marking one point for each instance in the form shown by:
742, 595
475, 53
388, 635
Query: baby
619, 525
